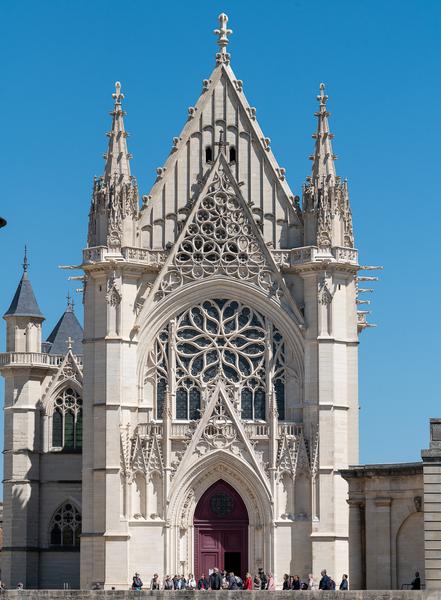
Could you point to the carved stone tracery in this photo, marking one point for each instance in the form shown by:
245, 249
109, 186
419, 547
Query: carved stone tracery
220, 240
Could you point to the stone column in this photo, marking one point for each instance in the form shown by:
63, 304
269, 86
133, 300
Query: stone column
383, 580
432, 506
356, 545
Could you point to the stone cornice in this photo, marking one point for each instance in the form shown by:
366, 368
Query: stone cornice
387, 470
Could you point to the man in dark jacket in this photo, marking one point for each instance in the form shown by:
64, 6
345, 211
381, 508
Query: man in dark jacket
263, 579
344, 583
325, 581
215, 580
416, 583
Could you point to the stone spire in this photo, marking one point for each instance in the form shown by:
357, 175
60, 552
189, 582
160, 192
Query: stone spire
323, 166
114, 207
24, 317
117, 156
326, 208
24, 303
222, 39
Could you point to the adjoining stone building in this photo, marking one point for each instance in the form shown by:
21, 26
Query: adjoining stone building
207, 416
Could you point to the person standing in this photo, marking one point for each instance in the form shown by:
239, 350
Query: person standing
416, 583
257, 584
191, 582
232, 582
344, 585
203, 583
296, 583
325, 581
271, 585
263, 579
248, 583
155, 583
168, 583
137, 583
312, 584
285, 585
215, 581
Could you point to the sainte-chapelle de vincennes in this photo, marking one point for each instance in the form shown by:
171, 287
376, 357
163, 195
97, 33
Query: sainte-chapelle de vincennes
207, 416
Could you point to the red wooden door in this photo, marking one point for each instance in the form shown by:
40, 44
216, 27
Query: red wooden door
221, 531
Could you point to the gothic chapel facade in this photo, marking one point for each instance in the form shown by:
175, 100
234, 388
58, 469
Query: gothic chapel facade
215, 392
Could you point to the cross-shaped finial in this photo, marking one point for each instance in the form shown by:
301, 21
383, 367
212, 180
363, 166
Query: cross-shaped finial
223, 32
25, 260
322, 98
222, 143
70, 301
69, 342
118, 96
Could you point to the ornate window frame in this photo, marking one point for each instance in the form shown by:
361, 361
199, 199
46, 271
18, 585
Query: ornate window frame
66, 420
65, 526
218, 338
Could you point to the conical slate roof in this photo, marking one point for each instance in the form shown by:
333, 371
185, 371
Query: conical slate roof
66, 334
24, 303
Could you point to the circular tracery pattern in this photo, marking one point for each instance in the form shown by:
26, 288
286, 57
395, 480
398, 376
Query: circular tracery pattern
220, 339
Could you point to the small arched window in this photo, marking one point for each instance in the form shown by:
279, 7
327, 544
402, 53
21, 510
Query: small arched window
208, 154
232, 154
65, 526
67, 421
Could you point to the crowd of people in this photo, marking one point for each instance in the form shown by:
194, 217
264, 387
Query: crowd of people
222, 580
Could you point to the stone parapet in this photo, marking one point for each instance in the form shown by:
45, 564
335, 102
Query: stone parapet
224, 595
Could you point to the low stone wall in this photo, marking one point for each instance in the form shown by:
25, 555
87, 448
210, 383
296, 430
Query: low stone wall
221, 595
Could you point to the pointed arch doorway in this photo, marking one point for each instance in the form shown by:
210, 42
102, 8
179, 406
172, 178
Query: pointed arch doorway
221, 531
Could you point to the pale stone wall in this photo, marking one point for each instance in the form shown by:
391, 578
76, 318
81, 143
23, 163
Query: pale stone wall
432, 506
386, 534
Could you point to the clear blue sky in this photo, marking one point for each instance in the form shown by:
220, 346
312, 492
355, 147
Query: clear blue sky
381, 63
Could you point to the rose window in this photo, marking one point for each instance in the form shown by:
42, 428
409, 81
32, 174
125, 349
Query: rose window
220, 339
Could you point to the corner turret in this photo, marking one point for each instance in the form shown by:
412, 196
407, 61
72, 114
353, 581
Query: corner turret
115, 205
326, 208
24, 317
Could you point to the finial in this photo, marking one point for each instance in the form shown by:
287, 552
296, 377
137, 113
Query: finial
70, 302
223, 32
222, 143
25, 260
117, 96
69, 342
322, 98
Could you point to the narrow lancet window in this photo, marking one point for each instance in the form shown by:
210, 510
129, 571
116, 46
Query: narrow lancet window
67, 421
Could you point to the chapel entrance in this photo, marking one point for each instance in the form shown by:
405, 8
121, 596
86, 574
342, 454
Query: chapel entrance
221, 531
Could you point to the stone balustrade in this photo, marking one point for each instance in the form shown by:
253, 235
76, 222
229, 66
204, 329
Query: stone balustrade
33, 359
255, 431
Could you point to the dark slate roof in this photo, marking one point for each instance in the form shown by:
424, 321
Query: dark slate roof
24, 303
67, 327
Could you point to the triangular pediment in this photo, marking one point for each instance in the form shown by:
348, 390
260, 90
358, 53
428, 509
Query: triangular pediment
223, 109
220, 429
68, 371
220, 238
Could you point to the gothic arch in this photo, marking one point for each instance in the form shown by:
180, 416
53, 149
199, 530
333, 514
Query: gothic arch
66, 522
150, 323
49, 400
189, 487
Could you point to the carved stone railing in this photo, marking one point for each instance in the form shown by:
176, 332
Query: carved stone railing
308, 254
255, 431
32, 359
152, 258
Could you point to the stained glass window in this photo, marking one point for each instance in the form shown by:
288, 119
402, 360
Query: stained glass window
67, 421
226, 339
65, 527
